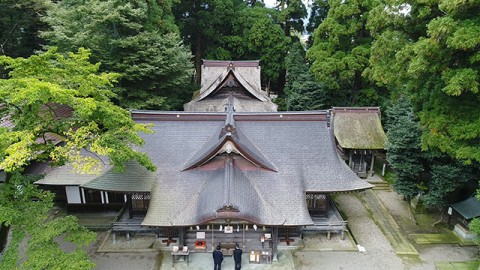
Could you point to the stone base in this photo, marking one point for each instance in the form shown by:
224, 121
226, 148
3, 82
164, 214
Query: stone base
461, 231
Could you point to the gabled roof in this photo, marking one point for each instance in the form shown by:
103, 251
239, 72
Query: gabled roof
299, 144
358, 128
230, 76
136, 178
229, 139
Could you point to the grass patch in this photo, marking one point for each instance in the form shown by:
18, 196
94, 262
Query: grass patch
434, 238
469, 265
389, 176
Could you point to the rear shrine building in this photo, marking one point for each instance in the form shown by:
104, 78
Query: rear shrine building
230, 169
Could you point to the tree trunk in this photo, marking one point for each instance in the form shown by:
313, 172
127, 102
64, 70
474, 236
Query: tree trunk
440, 220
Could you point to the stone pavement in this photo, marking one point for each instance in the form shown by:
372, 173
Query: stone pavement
387, 224
372, 228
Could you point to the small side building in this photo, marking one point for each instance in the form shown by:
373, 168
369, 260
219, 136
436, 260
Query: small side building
464, 212
359, 137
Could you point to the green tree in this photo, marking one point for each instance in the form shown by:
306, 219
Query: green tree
35, 235
474, 225
20, 25
437, 62
233, 30
258, 35
137, 39
39, 82
28, 97
302, 91
292, 14
203, 24
318, 13
341, 50
403, 148
445, 179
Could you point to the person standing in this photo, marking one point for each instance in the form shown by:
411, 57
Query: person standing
217, 258
237, 257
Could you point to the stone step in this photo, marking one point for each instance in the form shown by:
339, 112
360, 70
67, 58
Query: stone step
380, 185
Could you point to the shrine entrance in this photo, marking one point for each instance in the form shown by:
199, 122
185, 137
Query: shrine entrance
317, 204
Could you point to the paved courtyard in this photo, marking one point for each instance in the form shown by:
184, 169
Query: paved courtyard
383, 250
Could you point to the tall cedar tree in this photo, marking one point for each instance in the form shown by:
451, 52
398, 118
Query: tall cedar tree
137, 39
302, 91
233, 30
318, 13
432, 52
340, 53
403, 148
292, 14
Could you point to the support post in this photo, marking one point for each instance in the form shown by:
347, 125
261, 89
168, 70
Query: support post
130, 206
371, 164
275, 244
350, 159
181, 236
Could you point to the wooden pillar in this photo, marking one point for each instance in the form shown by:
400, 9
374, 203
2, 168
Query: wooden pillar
371, 164
181, 236
275, 244
243, 235
213, 238
130, 206
350, 159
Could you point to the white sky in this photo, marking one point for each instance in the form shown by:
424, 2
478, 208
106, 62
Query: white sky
271, 3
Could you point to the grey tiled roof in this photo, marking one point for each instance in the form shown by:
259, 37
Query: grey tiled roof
244, 146
217, 104
303, 152
136, 178
67, 175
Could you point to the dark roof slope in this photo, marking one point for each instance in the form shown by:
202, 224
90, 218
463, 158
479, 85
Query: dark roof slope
136, 178
299, 144
469, 208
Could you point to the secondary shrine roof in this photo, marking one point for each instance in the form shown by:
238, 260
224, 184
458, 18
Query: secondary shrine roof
221, 78
469, 208
358, 128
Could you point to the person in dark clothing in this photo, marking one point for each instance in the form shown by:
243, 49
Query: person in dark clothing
237, 257
217, 259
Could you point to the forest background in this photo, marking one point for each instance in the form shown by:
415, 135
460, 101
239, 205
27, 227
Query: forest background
419, 60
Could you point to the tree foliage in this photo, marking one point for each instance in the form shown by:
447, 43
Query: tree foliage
474, 225
318, 13
403, 148
259, 36
35, 235
233, 30
341, 50
38, 83
19, 26
302, 91
445, 179
437, 63
137, 39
